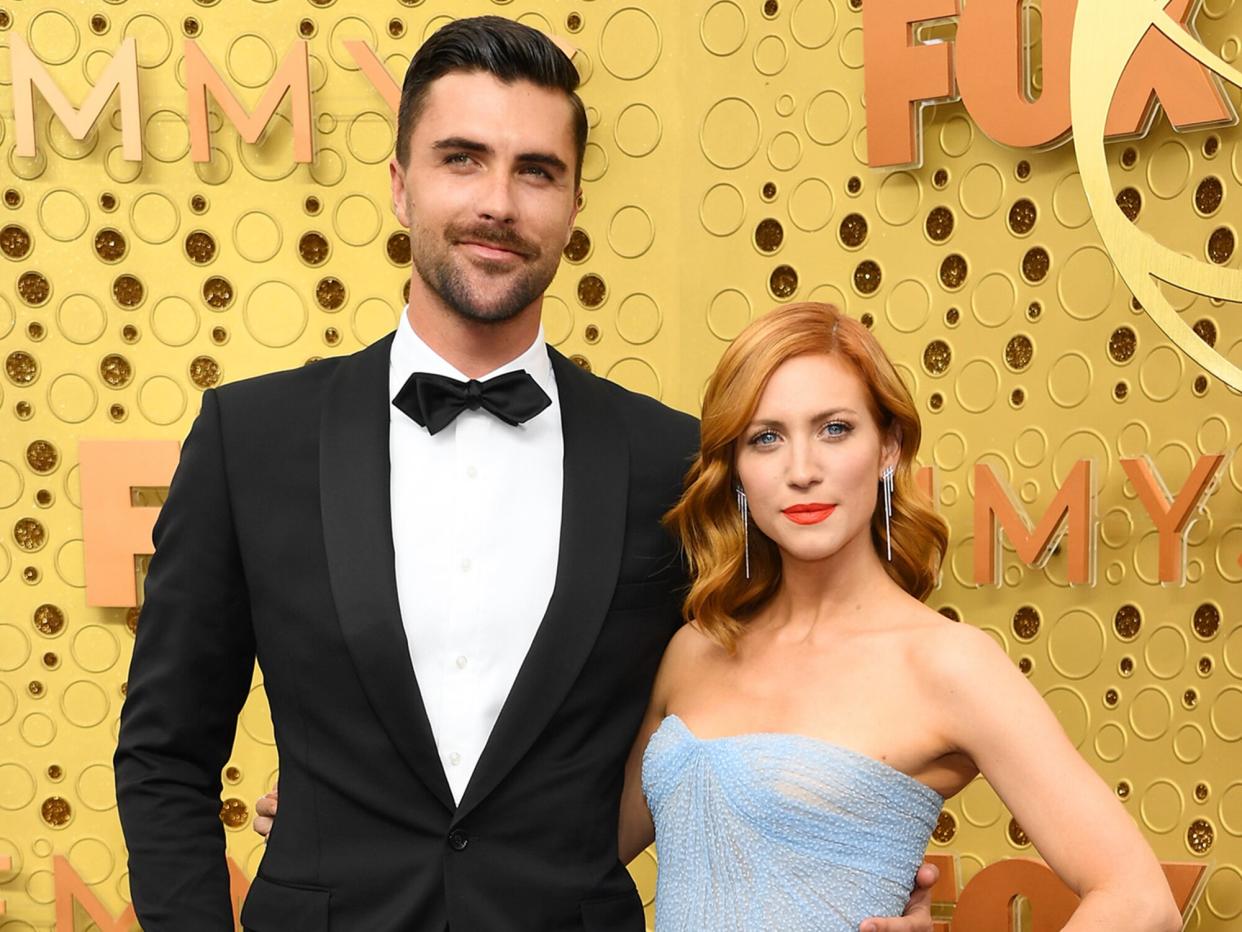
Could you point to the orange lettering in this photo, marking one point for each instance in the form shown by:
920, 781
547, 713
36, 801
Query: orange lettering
1159, 70
120, 75
900, 74
379, 76
1172, 515
944, 891
925, 479
1186, 882
989, 901
993, 72
71, 889
989, 63
1071, 514
292, 77
113, 530
239, 886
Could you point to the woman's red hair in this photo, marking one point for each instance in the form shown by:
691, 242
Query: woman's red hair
707, 518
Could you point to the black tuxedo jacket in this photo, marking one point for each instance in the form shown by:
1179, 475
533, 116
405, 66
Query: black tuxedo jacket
276, 543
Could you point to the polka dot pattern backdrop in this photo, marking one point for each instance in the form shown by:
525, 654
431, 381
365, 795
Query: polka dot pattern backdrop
726, 172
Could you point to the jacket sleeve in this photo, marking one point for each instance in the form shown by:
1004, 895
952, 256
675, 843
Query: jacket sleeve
190, 674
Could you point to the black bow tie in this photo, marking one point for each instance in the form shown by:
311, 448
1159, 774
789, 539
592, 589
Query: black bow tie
435, 400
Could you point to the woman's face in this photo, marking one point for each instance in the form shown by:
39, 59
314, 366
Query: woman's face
811, 457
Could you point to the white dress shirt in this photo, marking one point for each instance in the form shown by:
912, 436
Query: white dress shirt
476, 517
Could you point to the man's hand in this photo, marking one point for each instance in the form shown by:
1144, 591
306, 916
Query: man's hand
266, 812
917, 916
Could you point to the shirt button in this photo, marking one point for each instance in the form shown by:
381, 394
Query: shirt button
461, 662
458, 841
472, 472
465, 565
454, 758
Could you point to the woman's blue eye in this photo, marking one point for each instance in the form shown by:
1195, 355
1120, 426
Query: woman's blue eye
764, 438
837, 428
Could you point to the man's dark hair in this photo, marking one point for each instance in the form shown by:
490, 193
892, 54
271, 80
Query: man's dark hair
501, 47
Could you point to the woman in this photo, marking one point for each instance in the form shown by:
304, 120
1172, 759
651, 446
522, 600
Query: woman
809, 720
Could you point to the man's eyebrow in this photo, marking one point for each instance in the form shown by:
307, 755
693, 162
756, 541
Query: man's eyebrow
461, 142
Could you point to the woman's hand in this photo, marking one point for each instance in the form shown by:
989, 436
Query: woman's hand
917, 916
265, 812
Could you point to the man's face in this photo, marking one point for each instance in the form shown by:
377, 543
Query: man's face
489, 194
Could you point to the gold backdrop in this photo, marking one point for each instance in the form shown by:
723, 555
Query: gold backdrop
726, 172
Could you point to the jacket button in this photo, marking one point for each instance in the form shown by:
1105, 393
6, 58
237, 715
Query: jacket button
458, 841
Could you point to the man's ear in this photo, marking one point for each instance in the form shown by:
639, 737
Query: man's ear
573, 214
396, 176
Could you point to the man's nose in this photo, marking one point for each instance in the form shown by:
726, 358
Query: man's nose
495, 198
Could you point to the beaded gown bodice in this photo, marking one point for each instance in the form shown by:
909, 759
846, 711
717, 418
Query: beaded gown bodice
767, 831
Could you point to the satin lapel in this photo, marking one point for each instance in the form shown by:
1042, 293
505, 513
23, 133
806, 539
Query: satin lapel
357, 525
596, 477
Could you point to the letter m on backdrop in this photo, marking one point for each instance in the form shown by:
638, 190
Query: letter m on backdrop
121, 74
1071, 514
292, 77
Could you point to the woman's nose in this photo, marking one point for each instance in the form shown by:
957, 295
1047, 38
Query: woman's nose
804, 467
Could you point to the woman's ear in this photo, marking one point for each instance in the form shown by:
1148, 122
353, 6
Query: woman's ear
891, 454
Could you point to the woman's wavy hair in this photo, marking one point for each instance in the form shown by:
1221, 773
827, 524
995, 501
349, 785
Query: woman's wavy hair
707, 519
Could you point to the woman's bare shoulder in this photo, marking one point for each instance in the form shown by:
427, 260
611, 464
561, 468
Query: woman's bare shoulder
685, 657
944, 646
955, 649
692, 645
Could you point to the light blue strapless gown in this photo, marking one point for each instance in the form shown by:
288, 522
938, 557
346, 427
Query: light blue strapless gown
779, 833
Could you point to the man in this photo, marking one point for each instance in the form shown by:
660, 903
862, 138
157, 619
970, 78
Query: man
445, 553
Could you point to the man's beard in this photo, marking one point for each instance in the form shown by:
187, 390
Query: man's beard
433, 260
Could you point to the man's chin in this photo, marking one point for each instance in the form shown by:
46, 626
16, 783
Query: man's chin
486, 316
490, 311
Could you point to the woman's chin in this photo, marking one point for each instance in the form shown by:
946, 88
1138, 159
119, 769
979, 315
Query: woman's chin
810, 551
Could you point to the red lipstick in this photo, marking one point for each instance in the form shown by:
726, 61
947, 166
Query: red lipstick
811, 513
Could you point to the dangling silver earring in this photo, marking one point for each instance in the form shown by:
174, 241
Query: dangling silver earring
886, 478
744, 509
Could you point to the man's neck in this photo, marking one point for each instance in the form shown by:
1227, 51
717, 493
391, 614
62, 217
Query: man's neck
473, 348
